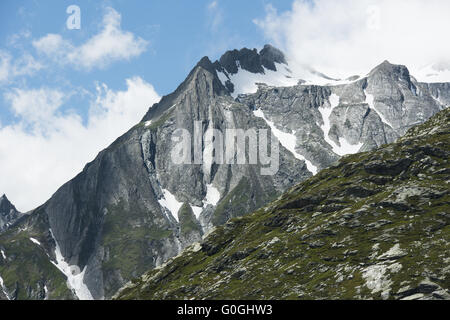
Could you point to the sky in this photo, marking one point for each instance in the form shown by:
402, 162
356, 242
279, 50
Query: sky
66, 93
342, 38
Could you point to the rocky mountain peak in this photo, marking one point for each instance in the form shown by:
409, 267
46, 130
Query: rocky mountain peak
391, 70
8, 213
5, 204
206, 64
252, 60
270, 55
357, 230
204, 71
133, 208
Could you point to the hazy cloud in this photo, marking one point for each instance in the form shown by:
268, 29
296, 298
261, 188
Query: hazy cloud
110, 44
215, 15
11, 67
347, 37
46, 147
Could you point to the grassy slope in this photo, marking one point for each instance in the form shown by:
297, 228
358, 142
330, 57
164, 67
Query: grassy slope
375, 225
27, 268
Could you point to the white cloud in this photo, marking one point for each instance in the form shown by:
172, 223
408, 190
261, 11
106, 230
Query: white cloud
11, 68
347, 37
53, 45
35, 107
47, 147
215, 15
5, 61
110, 44
15, 39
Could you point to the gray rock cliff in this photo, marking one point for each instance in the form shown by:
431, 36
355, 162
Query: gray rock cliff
132, 208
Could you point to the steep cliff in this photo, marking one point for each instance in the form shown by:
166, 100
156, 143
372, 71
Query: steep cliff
376, 225
136, 205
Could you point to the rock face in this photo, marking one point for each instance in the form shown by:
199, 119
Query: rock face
251, 60
8, 213
134, 206
123, 200
376, 225
331, 121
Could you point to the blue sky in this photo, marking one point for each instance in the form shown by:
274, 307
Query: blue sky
179, 34
65, 95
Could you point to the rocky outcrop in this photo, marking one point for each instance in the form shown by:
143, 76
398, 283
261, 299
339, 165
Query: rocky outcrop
134, 207
333, 120
252, 60
334, 236
8, 213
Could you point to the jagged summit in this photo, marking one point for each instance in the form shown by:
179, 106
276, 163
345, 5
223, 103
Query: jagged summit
269, 54
252, 60
388, 68
203, 74
373, 226
5, 204
225, 76
8, 213
206, 64
133, 207
240, 71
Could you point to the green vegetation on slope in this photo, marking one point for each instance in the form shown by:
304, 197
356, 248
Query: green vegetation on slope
374, 226
26, 268
128, 238
188, 223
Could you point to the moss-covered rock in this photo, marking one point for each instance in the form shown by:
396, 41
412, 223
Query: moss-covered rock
25, 265
373, 226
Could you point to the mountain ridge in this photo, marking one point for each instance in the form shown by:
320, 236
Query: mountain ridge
8, 213
116, 219
373, 226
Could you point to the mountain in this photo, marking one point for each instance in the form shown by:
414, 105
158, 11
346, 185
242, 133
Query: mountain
240, 71
376, 225
8, 213
133, 208
136, 205
334, 120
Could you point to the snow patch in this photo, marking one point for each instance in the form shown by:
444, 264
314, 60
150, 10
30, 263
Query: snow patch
246, 82
442, 105
35, 241
370, 102
312, 78
287, 140
2, 286
197, 211
345, 147
212, 195
348, 148
170, 202
46, 292
148, 123
73, 274
3, 254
